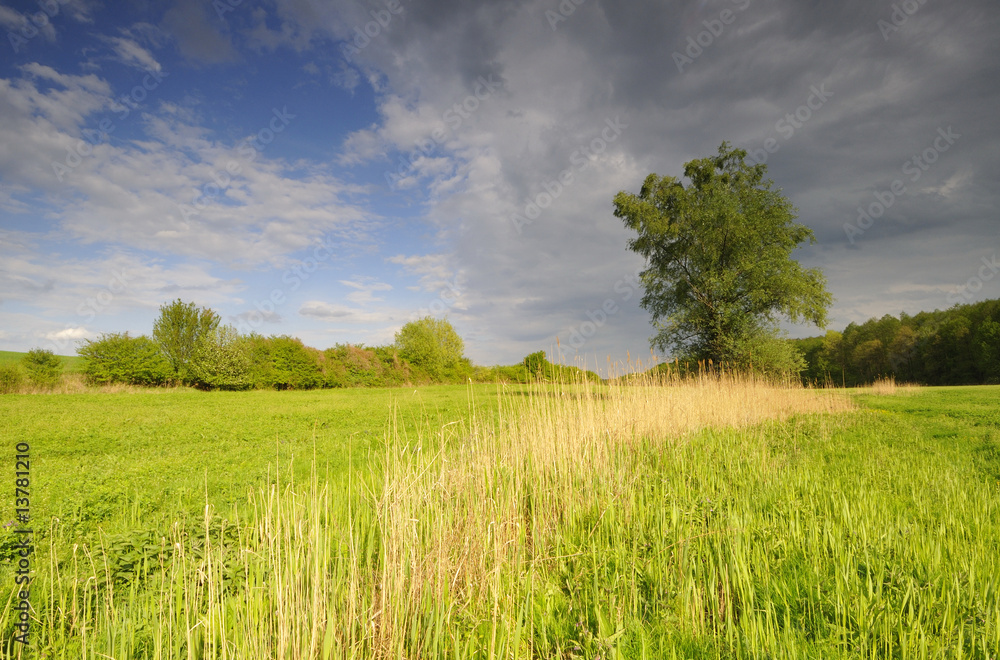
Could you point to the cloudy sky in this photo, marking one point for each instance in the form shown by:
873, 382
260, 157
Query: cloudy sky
331, 170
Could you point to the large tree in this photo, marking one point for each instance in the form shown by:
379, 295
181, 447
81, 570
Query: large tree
719, 272
177, 332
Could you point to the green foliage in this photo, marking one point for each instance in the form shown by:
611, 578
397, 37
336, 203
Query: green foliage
119, 358
42, 367
221, 361
71, 363
986, 348
719, 271
771, 356
536, 363
515, 373
178, 331
958, 346
533, 368
283, 363
11, 378
347, 365
433, 346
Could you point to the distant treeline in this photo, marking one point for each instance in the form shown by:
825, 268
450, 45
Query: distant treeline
957, 346
189, 346
285, 363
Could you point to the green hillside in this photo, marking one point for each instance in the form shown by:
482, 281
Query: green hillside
73, 364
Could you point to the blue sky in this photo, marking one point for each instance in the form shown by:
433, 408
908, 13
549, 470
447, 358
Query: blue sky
333, 170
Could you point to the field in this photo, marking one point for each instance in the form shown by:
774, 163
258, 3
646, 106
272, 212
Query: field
72, 364
726, 519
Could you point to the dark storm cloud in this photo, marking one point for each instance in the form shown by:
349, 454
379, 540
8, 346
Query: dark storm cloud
848, 102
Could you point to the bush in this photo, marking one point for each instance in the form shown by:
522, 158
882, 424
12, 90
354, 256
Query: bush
532, 368
774, 357
536, 363
346, 365
283, 363
433, 346
118, 358
178, 330
11, 378
221, 361
504, 374
43, 367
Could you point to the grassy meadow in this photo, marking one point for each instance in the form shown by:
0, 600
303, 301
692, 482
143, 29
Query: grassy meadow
72, 364
705, 519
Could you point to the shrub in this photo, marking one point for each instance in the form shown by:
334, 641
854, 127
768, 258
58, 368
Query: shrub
505, 374
394, 370
11, 378
221, 361
432, 345
42, 366
536, 363
283, 363
346, 365
118, 358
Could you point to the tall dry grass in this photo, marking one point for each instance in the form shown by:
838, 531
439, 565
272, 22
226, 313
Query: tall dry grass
446, 548
887, 386
489, 509
75, 383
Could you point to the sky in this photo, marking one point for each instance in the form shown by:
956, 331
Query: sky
333, 170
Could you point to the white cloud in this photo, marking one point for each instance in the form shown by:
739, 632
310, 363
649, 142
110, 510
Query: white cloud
435, 270
325, 311
365, 289
17, 24
132, 54
69, 334
163, 194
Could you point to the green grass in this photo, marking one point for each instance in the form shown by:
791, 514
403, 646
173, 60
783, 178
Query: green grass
121, 457
868, 534
72, 364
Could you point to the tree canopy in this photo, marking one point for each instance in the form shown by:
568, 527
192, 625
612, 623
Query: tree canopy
719, 274
431, 344
178, 330
956, 346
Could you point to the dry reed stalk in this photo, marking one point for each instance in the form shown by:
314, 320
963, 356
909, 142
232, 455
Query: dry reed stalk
486, 508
